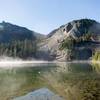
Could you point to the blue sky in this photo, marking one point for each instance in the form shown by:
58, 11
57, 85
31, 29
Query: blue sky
45, 15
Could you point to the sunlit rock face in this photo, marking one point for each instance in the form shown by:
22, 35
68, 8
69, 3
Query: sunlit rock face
76, 30
40, 94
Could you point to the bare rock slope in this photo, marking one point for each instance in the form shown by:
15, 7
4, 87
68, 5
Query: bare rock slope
77, 29
41, 94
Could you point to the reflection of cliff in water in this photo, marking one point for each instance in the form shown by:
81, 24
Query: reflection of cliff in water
75, 81
78, 67
96, 67
72, 81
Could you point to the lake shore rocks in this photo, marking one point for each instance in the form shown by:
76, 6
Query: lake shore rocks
40, 94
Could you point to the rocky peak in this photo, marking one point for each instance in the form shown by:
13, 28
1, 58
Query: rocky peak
80, 30
77, 28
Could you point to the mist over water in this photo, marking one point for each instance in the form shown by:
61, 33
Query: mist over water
11, 62
7, 62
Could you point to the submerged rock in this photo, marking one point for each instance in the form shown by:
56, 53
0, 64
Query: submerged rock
40, 94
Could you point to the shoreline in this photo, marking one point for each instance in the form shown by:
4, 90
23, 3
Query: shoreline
32, 63
45, 61
93, 61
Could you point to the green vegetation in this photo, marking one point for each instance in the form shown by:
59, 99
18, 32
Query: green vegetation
82, 38
72, 47
96, 56
83, 26
87, 22
23, 49
85, 37
67, 44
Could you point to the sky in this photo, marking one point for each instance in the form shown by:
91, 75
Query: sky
45, 15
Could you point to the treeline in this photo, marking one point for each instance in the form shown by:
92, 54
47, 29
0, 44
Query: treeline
70, 43
22, 49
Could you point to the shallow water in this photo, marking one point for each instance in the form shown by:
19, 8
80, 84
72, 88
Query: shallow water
71, 81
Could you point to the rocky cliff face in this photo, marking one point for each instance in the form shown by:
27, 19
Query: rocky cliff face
85, 33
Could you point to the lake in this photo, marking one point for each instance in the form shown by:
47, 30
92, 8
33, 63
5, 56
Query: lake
71, 81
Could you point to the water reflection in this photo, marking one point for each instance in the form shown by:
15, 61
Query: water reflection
76, 81
71, 81
75, 67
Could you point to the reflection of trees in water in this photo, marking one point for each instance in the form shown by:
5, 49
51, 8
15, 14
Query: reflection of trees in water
10, 83
63, 67
74, 67
75, 81
72, 81
78, 67
18, 81
96, 67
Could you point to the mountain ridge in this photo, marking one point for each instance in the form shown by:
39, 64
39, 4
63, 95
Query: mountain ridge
68, 42
83, 32
17, 32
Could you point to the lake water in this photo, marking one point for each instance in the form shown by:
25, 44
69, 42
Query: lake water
72, 81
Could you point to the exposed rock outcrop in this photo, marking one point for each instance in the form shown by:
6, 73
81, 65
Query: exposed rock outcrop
85, 30
40, 94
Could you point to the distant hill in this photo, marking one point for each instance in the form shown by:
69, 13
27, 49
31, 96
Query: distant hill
17, 41
10, 32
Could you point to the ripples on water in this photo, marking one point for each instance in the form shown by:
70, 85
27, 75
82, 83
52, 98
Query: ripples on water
71, 81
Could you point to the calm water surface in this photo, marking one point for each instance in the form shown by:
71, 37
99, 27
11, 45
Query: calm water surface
75, 81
